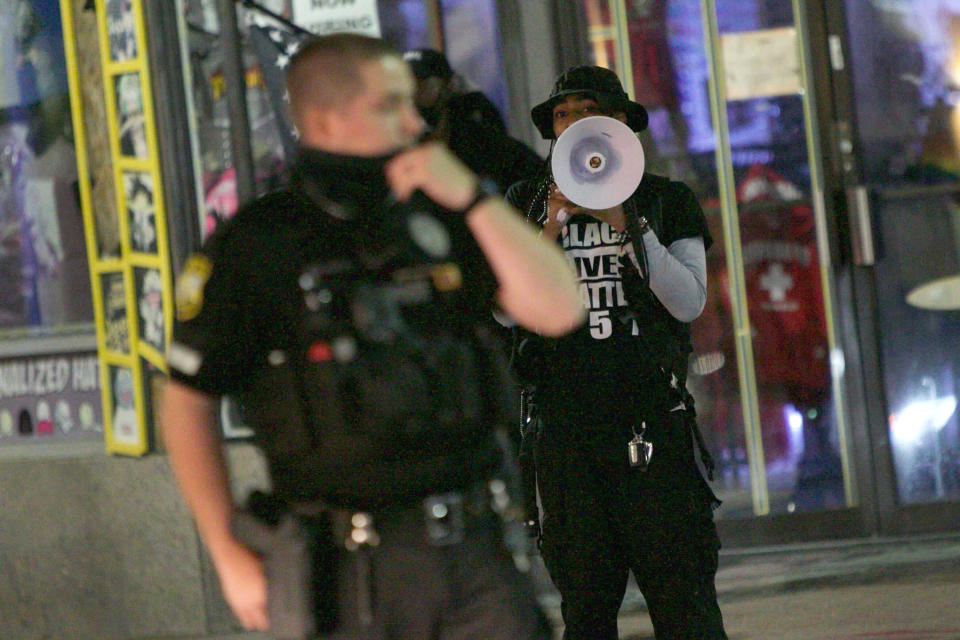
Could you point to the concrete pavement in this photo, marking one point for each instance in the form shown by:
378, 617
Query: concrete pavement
876, 589
885, 589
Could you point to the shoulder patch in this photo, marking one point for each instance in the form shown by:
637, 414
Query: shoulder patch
184, 359
190, 284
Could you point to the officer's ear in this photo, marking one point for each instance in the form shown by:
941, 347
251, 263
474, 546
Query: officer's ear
320, 121
321, 126
619, 115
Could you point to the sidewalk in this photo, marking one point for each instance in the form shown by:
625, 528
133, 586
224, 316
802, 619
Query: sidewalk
884, 589
890, 589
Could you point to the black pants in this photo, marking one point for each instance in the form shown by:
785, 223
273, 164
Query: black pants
603, 520
419, 591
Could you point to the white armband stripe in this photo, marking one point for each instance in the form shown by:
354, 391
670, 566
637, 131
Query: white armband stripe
184, 359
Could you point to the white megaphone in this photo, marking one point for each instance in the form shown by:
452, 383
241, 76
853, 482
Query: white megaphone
597, 162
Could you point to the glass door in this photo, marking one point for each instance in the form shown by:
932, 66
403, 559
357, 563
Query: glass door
905, 65
727, 86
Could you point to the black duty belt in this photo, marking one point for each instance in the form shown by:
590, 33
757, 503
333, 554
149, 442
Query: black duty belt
437, 520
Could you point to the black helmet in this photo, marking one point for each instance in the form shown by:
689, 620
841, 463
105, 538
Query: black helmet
599, 83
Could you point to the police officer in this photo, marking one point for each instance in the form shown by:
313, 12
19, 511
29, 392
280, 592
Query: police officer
612, 429
341, 312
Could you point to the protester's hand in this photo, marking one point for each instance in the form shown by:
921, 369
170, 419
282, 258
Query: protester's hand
433, 169
559, 210
244, 586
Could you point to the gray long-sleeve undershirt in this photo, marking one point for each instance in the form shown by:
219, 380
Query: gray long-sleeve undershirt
678, 274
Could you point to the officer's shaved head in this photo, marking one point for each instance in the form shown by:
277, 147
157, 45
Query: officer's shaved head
326, 72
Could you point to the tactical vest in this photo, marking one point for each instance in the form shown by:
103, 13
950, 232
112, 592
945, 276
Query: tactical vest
385, 393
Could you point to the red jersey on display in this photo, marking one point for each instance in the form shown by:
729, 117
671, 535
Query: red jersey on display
782, 279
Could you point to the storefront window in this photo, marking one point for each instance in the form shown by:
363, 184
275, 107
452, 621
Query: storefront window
471, 40
49, 374
906, 68
44, 276
906, 62
788, 456
666, 67
267, 45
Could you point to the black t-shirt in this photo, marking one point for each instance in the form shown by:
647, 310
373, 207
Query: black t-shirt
595, 372
345, 344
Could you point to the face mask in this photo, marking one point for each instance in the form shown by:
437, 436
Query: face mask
352, 187
430, 115
356, 189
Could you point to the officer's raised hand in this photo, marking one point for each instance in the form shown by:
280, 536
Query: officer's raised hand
433, 169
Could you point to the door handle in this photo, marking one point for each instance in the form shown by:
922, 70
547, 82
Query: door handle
861, 226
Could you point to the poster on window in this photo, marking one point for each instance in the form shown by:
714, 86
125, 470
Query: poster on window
17, 265
149, 285
50, 397
131, 122
44, 280
337, 16
141, 211
114, 295
761, 63
121, 30
124, 425
218, 177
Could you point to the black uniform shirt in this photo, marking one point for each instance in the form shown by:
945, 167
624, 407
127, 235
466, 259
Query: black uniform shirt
305, 318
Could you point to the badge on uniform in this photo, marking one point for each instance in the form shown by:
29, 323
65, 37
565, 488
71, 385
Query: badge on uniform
189, 289
639, 451
429, 234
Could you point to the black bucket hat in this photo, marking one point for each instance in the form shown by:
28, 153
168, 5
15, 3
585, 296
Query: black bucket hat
599, 83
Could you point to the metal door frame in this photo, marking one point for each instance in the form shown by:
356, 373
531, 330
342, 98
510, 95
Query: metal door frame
814, 21
852, 521
853, 201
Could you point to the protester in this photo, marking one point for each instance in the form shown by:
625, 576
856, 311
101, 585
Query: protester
610, 423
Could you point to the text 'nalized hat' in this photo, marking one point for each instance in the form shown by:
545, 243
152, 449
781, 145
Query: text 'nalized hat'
597, 82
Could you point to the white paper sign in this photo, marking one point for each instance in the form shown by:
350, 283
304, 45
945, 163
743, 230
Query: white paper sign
760, 64
337, 16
